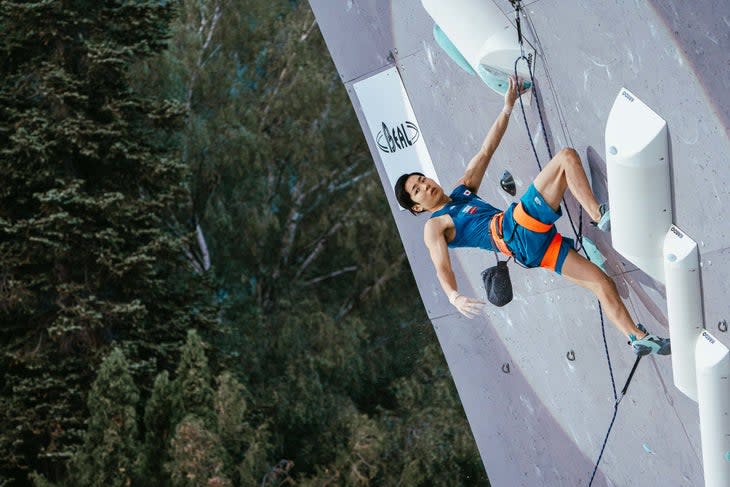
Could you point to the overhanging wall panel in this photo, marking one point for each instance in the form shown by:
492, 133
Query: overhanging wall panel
592, 49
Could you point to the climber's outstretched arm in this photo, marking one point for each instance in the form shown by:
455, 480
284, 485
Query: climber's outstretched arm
433, 236
476, 168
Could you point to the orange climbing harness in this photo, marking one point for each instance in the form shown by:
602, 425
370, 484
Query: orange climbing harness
526, 221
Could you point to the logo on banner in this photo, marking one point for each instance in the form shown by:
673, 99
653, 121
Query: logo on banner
400, 137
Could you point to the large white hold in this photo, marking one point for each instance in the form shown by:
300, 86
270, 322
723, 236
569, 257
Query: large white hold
637, 163
483, 35
684, 306
713, 392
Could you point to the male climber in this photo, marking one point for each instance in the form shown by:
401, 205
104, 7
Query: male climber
525, 230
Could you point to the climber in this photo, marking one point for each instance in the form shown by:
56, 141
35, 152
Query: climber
525, 231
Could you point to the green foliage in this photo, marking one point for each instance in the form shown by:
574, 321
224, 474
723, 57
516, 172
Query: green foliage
179, 448
37, 481
161, 413
360, 460
255, 461
433, 444
423, 441
230, 408
193, 379
91, 251
197, 456
109, 455
320, 316
326, 373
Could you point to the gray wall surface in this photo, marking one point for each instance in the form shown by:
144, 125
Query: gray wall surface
544, 421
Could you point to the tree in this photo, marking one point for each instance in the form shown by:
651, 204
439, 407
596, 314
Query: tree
254, 464
245, 444
193, 382
109, 455
359, 461
230, 412
319, 309
118, 213
90, 252
162, 412
197, 456
432, 444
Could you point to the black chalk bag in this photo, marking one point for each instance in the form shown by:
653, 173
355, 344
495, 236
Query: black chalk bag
497, 283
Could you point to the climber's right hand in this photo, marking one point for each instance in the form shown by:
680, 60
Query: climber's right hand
467, 306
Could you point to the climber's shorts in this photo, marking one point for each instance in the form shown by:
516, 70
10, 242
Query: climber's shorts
527, 246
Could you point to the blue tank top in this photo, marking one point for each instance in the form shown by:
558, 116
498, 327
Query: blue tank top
471, 216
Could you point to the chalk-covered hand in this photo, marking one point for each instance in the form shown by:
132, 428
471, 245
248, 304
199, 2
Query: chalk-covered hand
514, 90
467, 306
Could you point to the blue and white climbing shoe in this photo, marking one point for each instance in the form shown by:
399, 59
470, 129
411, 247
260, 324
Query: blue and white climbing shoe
604, 223
650, 343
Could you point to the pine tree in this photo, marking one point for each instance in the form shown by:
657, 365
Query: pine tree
193, 381
90, 250
245, 444
359, 461
197, 456
230, 413
109, 455
162, 412
254, 464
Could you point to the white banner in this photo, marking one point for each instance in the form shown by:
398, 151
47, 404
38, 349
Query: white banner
393, 125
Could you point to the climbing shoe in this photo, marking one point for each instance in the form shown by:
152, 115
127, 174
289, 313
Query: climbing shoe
604, 223
650, 343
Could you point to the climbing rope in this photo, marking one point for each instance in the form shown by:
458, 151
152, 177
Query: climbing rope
616, 401
548, 77
578, 233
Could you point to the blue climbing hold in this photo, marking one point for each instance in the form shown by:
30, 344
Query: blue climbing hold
594, 255
445, 43
496, 79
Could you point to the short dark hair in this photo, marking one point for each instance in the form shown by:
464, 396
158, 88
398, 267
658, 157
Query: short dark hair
402, 195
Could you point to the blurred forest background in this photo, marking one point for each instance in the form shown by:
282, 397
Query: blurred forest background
201, 283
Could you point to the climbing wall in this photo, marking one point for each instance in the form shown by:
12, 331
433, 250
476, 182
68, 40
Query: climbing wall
533, 376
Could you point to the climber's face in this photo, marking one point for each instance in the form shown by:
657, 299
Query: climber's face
424, 191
